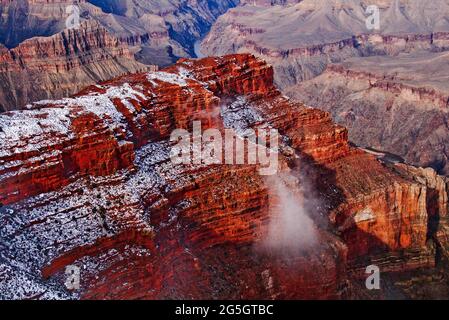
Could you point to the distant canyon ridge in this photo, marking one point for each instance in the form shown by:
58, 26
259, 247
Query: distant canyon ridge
87, 181
41, 59
387, 86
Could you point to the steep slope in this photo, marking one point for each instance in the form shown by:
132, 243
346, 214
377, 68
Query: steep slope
62, 65
47, 60
102, 194
24, 19
184, 22
396, 104
300, 39
159, 23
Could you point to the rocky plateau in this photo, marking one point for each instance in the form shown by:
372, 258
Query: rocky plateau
53, 49
88, 181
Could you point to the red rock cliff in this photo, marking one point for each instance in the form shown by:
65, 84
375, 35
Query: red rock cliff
61, 65
89, 182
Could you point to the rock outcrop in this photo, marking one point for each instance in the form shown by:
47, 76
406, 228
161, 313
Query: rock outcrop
395, 104
173, 26
387, 86
301, 39
88, 182
58, 47
61, 65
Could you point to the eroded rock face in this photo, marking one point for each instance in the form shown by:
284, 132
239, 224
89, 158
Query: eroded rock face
61, 65
172, 26
387, 86
394, 104
301, 38
88, 181
52, 54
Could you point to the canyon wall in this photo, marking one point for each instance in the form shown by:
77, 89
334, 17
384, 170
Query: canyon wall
301, 39
51, 56
320, 51
61, 65
398, 105
102, 194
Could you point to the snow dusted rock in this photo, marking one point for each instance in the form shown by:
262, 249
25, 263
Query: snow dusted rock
300, 38
61, 64
87, 181
41, 58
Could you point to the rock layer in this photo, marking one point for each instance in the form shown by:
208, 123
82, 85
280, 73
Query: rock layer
301, 39
398, 105
139, 226
387, 86
61, 65
53, 53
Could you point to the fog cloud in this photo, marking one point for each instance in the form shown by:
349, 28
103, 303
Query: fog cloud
290, 227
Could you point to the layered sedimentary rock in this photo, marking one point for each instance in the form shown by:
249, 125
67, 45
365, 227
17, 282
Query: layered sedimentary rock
395, 104
301, 39
58, 47
61, 65
103, 195
321, 52
158, 24
173, 26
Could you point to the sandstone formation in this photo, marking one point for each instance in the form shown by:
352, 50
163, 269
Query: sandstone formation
51, 56
61, 65
387, 86
87, 181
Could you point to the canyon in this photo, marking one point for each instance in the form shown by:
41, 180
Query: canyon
87, 181
396, 104
300, 38
47, 52
61, 65
386, 86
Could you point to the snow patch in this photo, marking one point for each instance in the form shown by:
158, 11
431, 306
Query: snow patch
176, 79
